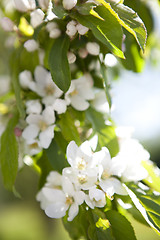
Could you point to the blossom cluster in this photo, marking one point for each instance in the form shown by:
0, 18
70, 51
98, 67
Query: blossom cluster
41, 112
91, 177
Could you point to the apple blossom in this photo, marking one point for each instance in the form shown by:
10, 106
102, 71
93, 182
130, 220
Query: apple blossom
40, 126
25, 78
79, 92
71, 57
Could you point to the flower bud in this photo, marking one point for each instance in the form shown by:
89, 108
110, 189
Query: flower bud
17, 132
83, 52
43, 4
7, 24
25, 5
93, 48
55, 33
31, 45
81, 29
71, 28
71, 57
37, 17
69, 4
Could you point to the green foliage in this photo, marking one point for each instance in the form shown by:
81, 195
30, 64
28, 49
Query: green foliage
106, 134
9, 153
147, 204
58, 63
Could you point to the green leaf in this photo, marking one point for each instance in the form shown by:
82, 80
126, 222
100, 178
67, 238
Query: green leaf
129, 20
58, 63
153, 179
106, 134
106, 84
68, 128
134, 61
146, 204
108, 30
121, 227
79, 226
15, 82
9, 153
55, 155
45, 167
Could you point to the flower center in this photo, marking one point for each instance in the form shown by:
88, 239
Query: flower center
69, 200
42, 125
33, 145
75, 92
49, 89
81, 164
105, 175
82, 179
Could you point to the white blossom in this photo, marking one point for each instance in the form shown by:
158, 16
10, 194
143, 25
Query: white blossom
56, 201
69, 4
44, 86
83, 171
107, 169
131, 155
93, 48
31, 45
37, 17
7, 24
25, 5
80, 92
95, 198
40, 126
83, 52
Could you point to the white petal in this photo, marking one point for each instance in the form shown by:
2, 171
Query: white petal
54, 195
67, 186
54, 178
89, 202
60, 106
86, 148
71, 152
34, 119
79, 197
30, 132
48, 115
31, 45
46, 137
79, 103
56, 210
73, 211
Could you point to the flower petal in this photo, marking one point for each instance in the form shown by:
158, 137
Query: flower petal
71, 153
73, 211
79, 103
46, 137
56, 210
30, 132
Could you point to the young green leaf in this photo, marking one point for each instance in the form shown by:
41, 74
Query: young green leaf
121, 227
9, 153
129, 20
58, 63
